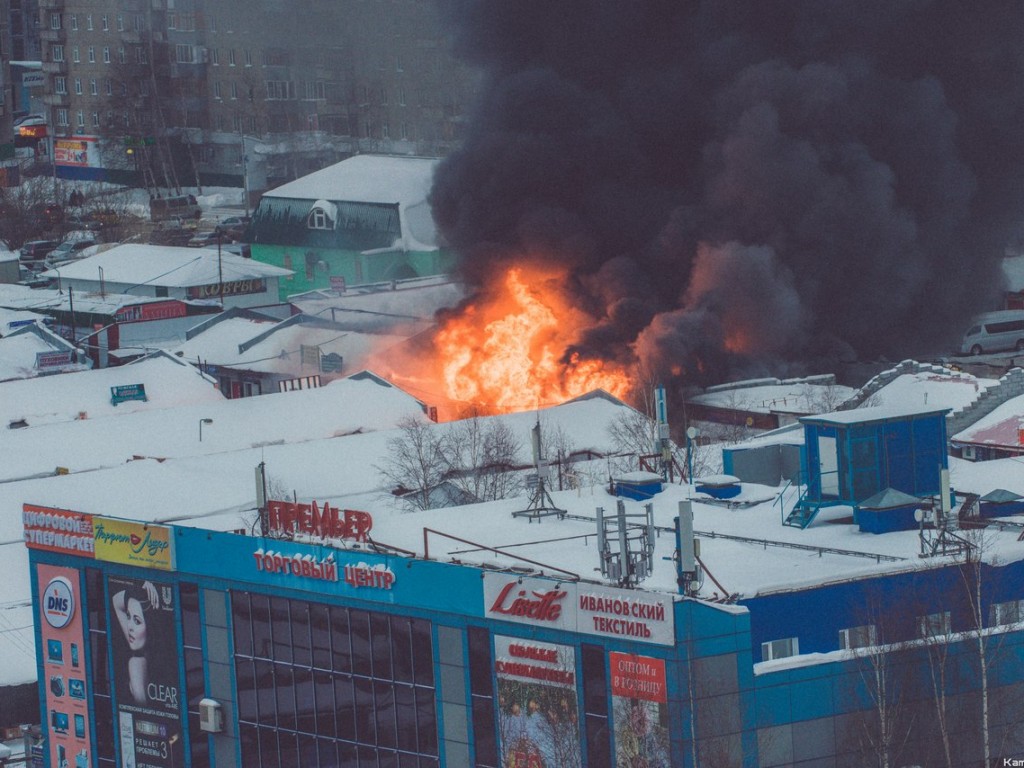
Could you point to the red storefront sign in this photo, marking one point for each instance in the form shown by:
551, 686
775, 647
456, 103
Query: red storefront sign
58, 530
638, 677
158, 310
326, 522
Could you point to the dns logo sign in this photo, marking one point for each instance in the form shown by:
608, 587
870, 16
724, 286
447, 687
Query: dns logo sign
58, 603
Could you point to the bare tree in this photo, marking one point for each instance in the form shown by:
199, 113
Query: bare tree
416, 461
480, 456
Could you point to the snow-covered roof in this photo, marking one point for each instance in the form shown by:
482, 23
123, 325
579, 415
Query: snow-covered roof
955, 390
86, 394
12, 318
1002, 427
19, 350
874, 413
365, 179
785, 397
179, 267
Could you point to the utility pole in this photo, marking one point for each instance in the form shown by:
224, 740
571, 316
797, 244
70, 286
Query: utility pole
220, 268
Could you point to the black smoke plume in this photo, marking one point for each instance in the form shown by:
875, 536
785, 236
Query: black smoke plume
744, 188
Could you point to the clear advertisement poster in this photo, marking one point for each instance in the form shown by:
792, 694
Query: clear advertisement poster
538, 718
67, 709
639, 711
146, 678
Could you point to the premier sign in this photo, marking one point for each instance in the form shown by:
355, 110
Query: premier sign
590, 609
286, 519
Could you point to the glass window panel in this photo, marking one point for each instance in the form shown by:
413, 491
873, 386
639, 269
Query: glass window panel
190, 626
387, 759
100, 670
245, 677
320, 631
304, 704
241, 620
340, 642
405, 716
483, 731
284, 680
281, 629
260, 608
426, 721
428, 762
266, 701
195, 684
309, 755
104, 726
408, 761
422, 653
367, 757
328, 753
301, 647
380, 641
94, 594
288, 749
199, 742
269, 750
384, 705
366, 731
359, 632
598, 742
348, 755
595, 688
401, 649
249, 738
323, 687
345, 713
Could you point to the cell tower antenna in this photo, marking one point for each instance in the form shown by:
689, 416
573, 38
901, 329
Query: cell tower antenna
541, 504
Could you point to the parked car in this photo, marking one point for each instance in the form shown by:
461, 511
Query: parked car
70, 249
163, 208
35, 251
235, 227
206, 239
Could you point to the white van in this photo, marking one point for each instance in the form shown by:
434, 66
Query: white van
995, 332
166, 208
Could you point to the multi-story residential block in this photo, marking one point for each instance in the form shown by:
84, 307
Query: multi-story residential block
235, 92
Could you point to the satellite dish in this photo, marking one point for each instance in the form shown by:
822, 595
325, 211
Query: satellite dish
919, 515
692, 432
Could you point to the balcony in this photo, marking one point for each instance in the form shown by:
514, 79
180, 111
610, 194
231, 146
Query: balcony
55, 67
56, 99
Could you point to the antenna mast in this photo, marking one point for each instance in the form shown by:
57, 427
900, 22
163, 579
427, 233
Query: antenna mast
541, 505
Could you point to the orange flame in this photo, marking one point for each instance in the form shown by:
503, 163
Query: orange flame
506, 351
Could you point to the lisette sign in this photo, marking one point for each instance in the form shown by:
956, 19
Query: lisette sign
591, 609
286, 519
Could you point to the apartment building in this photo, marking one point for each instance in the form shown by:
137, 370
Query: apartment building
175, 92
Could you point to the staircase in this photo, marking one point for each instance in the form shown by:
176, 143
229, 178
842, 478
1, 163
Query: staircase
805, 510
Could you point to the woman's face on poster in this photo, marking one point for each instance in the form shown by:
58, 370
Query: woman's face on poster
136, 624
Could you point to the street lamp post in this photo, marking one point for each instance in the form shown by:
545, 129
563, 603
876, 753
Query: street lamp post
220, 267
201, 422
692, 433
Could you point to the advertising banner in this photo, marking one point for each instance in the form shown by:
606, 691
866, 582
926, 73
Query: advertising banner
639, 711
628, 614
57, 530
146, 679
143, 544
538, 719
71, 152
67, 708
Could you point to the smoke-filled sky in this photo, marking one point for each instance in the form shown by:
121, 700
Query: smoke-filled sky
745, 187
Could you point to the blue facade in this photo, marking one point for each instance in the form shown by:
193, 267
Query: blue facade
424, 652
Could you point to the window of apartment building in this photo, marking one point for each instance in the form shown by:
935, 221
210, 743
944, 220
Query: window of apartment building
62, 117
184, 54
319, 219
934, 624
60, 84
384, 96
329, 664
367, 132
140, 22
80, 119
140, 54
252, 124
187, 22
401, 97
143, 87
398, 63
95, 119
236, 123
231, 57
366, 94
73, 21
54, 21
405, 131
57, 52
1006, 613
78, 86
216, 89
121, 56
280, 90
90, 54
780, 649
75, 56
106, 54
120, 22
314, 90
93, 88
215, 57
172, 21
88, 21
858, 637
385, 130
104, 23
234, 90
248, 57
108, 86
